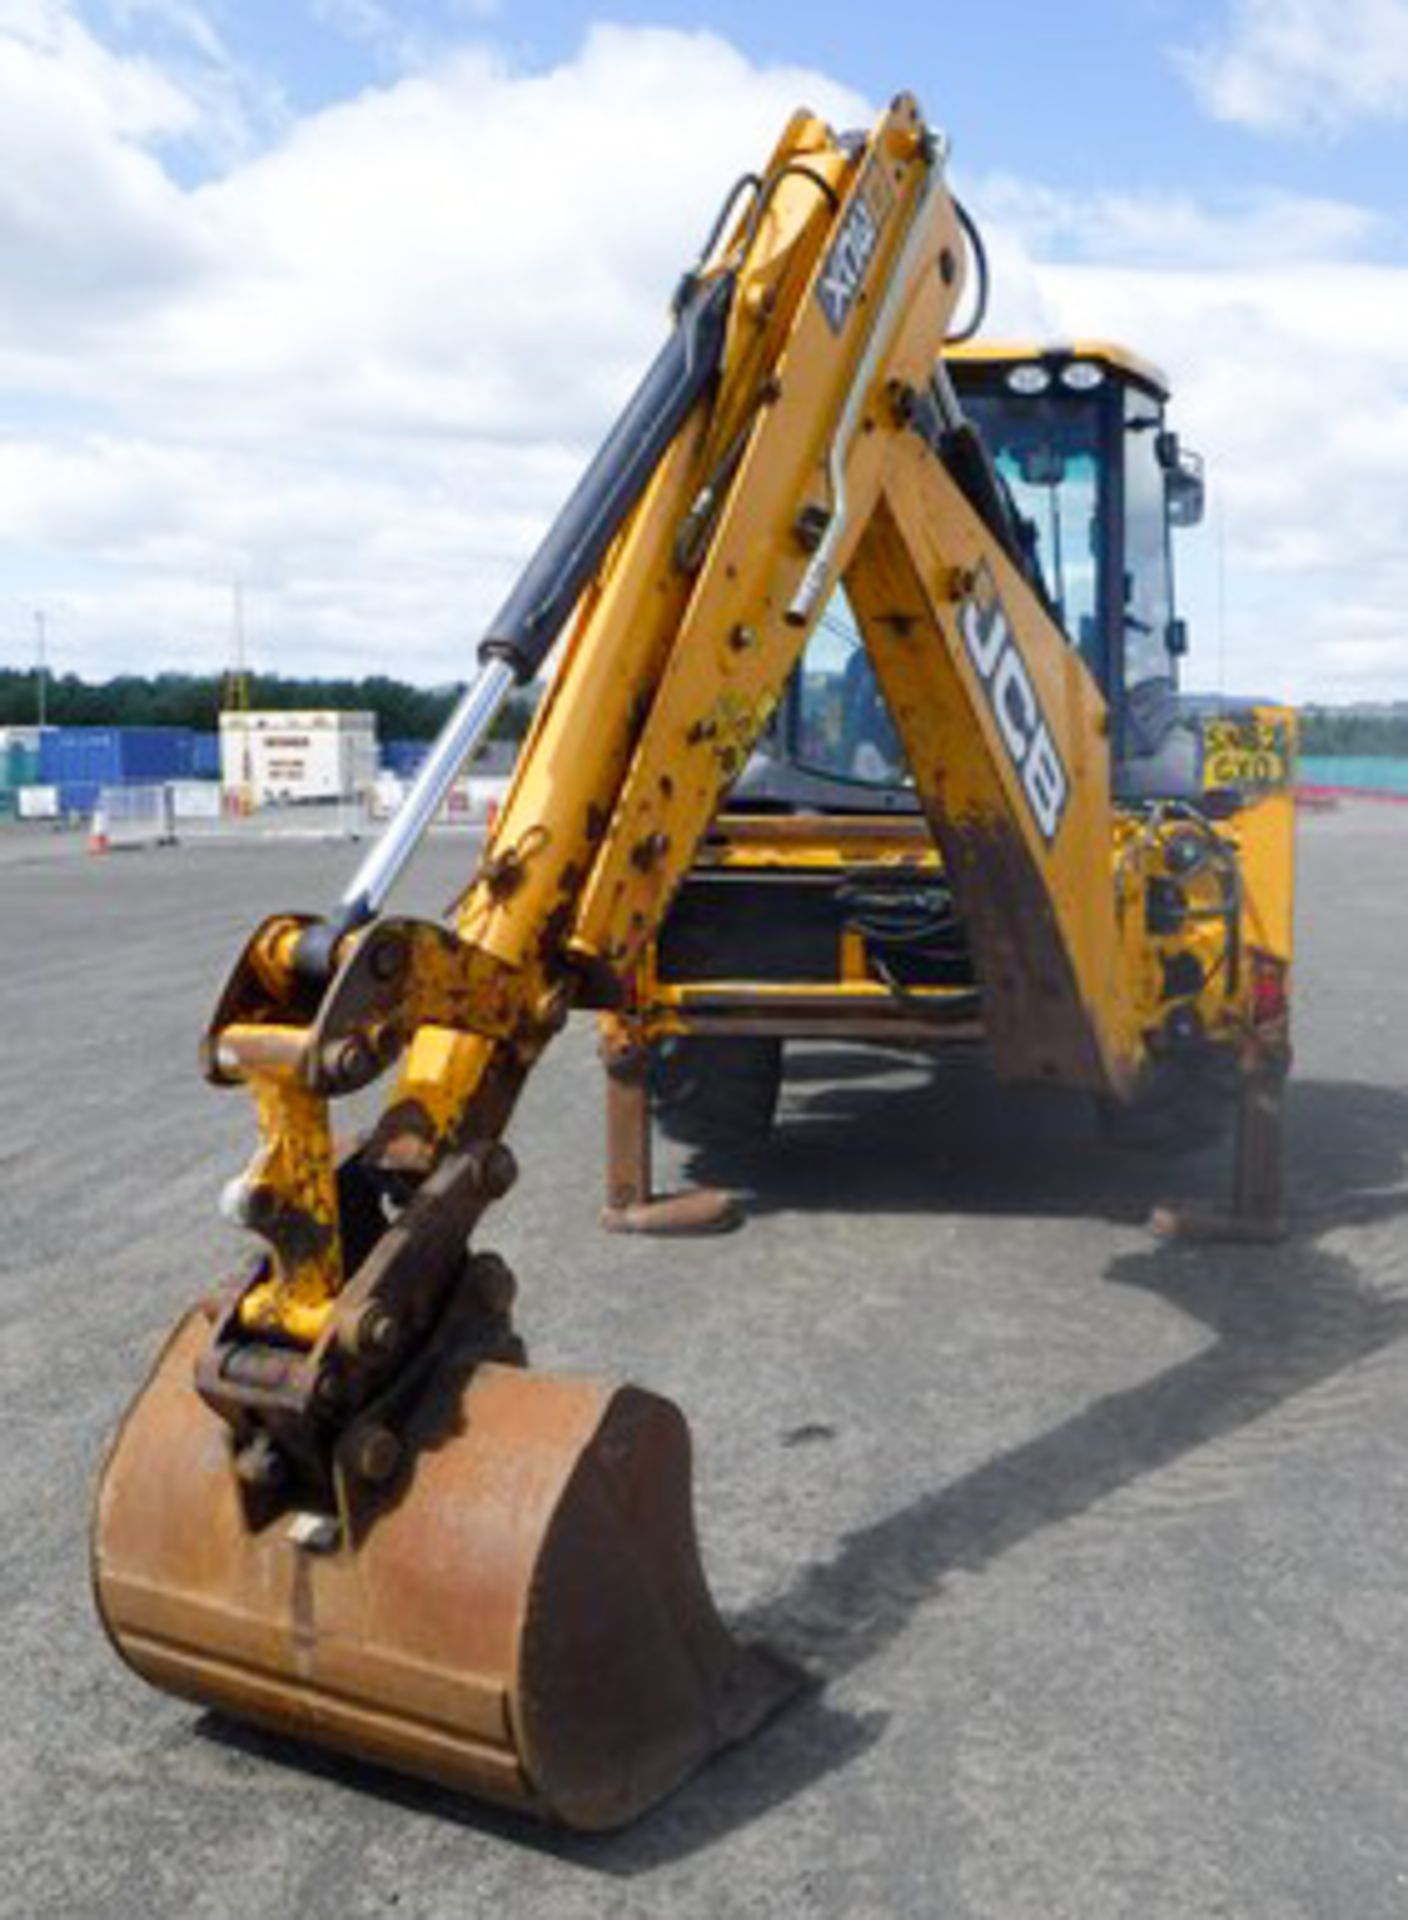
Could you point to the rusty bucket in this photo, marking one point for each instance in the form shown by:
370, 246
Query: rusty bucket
522, 1615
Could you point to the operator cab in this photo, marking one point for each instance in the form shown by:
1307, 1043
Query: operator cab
1096, 483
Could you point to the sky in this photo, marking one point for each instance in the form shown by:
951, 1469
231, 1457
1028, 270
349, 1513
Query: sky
334, 298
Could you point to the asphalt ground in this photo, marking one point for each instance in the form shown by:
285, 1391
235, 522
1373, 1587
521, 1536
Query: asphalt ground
1095, 1546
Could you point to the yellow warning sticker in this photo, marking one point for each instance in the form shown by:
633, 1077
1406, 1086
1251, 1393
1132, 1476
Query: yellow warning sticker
1245, 753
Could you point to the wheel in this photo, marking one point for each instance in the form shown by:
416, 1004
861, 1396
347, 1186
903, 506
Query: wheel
716, 1092
1185, 1105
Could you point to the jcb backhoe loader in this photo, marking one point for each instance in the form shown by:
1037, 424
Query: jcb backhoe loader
342, 1506
820, 907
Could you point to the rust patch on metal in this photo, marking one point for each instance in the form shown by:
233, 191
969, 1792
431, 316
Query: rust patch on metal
526, 1619
649, 852
552, 935
1036, 1023
404, 1140
501, 876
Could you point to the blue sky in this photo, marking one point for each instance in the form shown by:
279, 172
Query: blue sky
1079, 97
333, 297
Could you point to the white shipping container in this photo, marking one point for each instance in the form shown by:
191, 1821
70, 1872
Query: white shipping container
275, 757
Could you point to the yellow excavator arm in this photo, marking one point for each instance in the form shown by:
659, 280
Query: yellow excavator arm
342, 1506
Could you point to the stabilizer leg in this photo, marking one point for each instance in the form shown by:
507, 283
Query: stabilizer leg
1257, 1212
631, 1204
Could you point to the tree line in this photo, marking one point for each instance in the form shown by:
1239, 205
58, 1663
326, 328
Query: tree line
194, 700
405, 712
1354, 730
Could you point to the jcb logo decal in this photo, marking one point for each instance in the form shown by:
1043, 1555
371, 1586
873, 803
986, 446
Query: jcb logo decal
987, 634
853, 249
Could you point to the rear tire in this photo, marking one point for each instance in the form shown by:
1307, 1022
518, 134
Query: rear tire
1185, 1105
716, 1092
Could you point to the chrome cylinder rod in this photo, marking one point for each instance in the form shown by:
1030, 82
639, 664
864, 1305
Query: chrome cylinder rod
366, 894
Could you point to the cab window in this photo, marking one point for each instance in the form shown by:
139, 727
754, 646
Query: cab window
1046, 449
844, 728
1148, 579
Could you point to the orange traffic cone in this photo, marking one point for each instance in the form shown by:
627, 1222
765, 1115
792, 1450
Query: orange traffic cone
98, 841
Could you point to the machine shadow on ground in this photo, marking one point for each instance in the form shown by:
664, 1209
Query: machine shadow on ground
1280, 1321
954, 1139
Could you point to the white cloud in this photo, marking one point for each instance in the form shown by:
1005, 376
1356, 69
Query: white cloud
1246, 228
168, 81
369, 21
1293, 382
181, 19
88, 219
403, 32
361, 368
44, 43
1304, 66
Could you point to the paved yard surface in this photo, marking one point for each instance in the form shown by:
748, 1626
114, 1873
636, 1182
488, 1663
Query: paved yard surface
1097, 1548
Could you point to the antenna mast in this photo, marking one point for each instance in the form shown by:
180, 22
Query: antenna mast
234, 699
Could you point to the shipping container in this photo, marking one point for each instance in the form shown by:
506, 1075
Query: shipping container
72, 797
19, 767
274, 756
21, 739
403, 757
205, 756
82, 759
19, 759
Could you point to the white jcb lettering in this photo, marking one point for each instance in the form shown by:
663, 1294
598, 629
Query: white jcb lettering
1045, 781
1014, 703
985, 639
846, 264
836, 289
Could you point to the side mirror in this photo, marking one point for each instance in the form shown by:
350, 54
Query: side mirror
1183, 484
1176, 638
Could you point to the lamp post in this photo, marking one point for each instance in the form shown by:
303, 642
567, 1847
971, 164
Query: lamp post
41, 665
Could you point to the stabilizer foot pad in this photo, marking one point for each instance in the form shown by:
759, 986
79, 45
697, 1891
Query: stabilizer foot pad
1214, 1225
696, 1210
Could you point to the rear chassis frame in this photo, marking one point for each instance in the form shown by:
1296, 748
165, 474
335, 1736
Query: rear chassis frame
758, 944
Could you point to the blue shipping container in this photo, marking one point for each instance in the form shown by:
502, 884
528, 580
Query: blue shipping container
77, 796
403, 757
205, 756
92, 757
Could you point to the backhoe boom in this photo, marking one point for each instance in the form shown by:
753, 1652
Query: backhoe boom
343, 1506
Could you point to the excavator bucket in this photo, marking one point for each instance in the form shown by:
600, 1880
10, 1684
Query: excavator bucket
521, 1614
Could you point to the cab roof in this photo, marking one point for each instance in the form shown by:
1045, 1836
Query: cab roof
1116, 360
